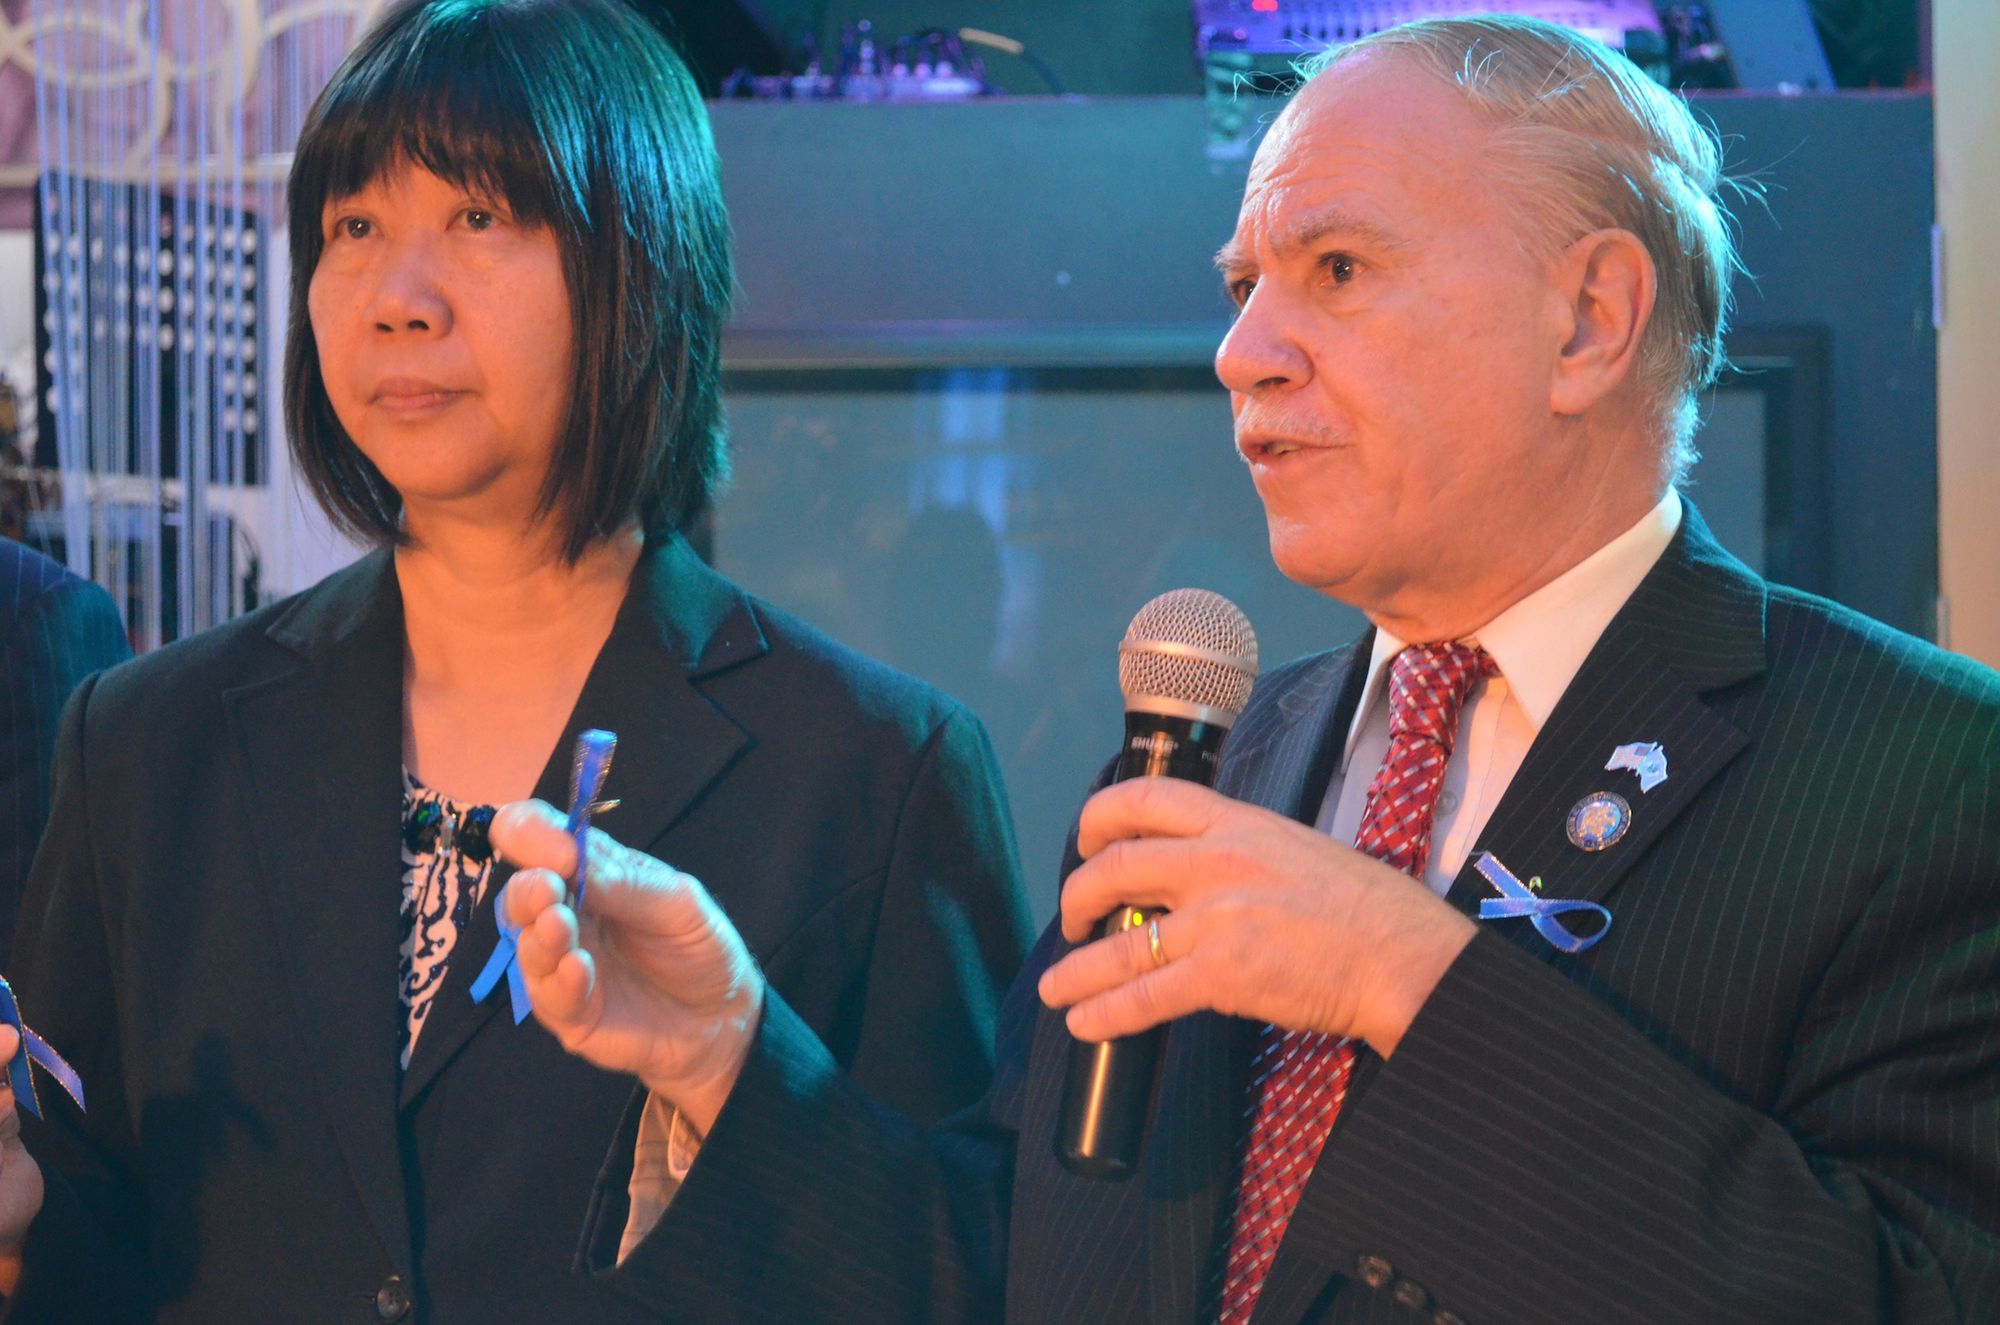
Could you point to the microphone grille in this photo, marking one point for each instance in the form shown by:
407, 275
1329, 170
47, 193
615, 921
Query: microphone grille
1189, 652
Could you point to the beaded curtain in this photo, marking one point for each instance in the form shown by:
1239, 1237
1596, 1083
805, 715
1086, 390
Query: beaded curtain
164, 130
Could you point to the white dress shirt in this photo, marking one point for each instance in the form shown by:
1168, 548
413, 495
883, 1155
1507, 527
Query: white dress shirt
1538, 645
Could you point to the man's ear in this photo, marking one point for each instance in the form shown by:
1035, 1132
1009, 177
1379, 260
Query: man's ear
1608, 284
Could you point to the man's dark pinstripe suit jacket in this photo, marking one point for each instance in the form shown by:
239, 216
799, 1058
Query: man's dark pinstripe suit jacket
1772, 1093
55, 629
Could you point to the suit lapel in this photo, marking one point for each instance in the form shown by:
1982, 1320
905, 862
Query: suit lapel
679, 624
1694, 625
321, 745
1280, 757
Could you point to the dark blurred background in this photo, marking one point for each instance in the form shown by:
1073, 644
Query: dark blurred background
1142, 47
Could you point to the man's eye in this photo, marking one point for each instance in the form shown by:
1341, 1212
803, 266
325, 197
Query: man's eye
351, 227
481, 218
1340, 267
1239, 290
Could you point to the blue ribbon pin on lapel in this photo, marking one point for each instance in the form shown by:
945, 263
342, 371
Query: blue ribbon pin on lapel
587, 771
1518, 899
34, 1049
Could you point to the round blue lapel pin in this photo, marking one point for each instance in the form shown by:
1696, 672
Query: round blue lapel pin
1599, 820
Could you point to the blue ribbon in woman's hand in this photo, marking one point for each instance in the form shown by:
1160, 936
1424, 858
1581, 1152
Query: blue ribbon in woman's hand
588, 769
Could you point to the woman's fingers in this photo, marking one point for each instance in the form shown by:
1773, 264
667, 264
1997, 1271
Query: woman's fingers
563, 999
549, 934
533, 835
529, 893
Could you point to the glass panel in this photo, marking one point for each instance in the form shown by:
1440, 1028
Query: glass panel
992, 531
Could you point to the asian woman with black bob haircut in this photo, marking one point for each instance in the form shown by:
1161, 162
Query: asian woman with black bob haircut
510, 273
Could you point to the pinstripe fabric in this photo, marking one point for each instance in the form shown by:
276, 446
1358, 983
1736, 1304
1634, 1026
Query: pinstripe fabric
1772, 1094
55, 629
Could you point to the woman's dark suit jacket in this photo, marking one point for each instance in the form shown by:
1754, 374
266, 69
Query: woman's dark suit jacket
211, 936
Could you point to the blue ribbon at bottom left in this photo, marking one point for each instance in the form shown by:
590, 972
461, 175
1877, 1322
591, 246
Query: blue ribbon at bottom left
34, 1049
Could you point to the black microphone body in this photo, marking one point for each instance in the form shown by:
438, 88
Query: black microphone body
1108, 1092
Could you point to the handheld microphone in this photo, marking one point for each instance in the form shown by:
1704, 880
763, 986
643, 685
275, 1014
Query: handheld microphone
1186, 665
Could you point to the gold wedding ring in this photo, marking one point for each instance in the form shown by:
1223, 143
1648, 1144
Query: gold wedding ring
1153, 942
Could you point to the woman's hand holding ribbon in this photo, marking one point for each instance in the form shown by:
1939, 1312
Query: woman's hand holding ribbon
650, 979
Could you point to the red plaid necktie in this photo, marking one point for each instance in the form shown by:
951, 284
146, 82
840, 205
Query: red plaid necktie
1299, 1078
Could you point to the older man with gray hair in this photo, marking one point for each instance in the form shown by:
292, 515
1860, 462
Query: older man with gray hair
1662, 979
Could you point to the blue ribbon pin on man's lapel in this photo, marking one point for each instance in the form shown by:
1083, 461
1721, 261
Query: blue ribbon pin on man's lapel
1519, 899
587, 771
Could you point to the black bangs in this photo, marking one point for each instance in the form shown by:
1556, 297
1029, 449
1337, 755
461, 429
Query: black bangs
454, 97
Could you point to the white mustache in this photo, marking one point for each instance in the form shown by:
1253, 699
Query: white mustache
1304, 432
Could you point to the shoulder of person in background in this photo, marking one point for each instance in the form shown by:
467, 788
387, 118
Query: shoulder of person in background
55, 629
42, 597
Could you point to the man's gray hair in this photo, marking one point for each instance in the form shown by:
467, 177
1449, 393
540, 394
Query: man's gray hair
1589, 142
